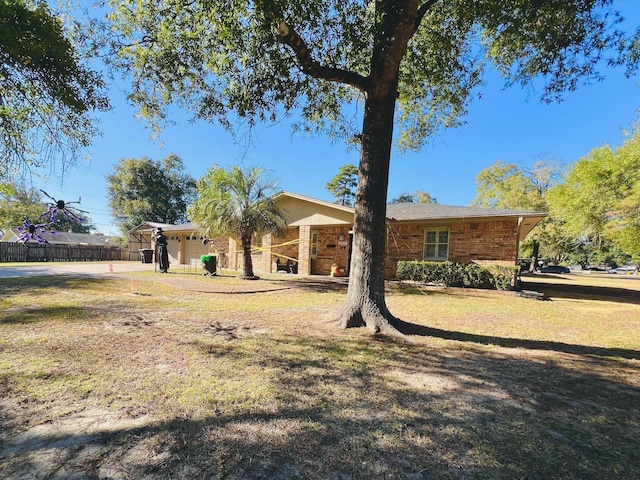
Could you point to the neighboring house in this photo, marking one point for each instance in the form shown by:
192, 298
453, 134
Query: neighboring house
64, 238
319, 233
63, 246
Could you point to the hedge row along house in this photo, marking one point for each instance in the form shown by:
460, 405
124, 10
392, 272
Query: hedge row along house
319, 234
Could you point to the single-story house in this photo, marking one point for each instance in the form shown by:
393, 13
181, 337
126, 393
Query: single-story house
63, 238
62, 246
319, 234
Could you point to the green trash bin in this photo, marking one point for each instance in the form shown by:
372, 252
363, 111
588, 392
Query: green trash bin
146, 255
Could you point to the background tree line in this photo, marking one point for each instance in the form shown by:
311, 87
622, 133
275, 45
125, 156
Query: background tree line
593, 203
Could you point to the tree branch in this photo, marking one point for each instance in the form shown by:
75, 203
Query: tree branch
311, 67
422, 11
391, 36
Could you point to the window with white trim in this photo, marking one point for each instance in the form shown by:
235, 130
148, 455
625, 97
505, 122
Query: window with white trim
436, 244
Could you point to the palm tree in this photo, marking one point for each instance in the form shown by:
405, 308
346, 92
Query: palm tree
238, 202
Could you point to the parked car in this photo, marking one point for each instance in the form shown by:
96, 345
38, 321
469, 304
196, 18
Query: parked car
624, 270
596, 268
554, 269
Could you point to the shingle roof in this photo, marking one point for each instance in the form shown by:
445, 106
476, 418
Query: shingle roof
395, 211
433, 211
68, 238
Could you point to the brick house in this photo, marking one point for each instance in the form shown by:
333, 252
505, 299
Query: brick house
319, 233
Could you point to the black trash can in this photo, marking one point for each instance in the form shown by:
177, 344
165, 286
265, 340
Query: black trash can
146, 255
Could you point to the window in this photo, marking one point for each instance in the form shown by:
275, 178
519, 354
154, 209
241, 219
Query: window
314, 244
436, 244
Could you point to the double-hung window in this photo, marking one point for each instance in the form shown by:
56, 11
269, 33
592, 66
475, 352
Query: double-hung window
436, 244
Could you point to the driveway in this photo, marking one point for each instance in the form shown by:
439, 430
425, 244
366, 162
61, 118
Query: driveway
72, 268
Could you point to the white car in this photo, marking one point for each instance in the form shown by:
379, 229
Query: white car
624, 270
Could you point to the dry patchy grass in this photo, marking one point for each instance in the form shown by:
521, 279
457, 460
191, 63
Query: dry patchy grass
156, 377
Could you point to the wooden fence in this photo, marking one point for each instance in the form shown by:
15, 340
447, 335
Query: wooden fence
21, 252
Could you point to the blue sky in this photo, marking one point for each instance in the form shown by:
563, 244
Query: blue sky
506, 124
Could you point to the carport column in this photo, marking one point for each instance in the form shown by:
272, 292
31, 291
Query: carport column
520, 220
517, 263
233, 256
182, 258
266, 254
304, 250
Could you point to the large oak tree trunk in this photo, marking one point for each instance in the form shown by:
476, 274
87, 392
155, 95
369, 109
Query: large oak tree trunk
365, 303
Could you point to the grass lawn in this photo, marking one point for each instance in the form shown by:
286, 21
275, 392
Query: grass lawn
158, 377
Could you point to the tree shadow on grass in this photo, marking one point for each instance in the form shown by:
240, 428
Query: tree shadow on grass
419, 330
27, 315
403, 411
24, 285
585, 292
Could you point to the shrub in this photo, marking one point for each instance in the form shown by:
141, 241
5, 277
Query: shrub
451, 274
407, 270
442, 273
503, 278
476, 276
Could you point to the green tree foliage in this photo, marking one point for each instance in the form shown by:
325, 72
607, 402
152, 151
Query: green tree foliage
624, 224
46, 94
17, 203
65, 224
343, 185
258, 60
599, 195
508, 186
599, 253
240, 203
419, 196
143, 190
505, 185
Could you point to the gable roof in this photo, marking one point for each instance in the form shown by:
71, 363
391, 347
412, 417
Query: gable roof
297, 196
301, 210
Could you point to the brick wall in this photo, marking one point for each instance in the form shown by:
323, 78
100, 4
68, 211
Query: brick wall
331, 250
485, 243
284, 252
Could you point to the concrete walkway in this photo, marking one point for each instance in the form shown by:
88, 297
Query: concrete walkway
194, 283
